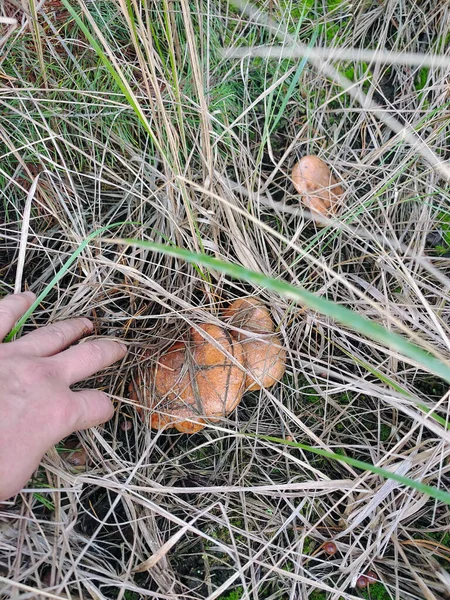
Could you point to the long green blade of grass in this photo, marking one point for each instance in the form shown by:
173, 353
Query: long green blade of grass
326, 307
359, 464
56, 278
339, 313
121, 82
293, 84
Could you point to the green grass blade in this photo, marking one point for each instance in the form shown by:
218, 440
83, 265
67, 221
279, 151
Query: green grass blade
56, 278
359, 464
123, 85
331, 309
339, 313
293, 84
326, 307
37, 40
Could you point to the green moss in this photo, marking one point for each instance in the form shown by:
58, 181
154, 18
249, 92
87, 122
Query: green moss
357, 72
311, 395
385, 432
131, 595
308, 545
444, 222
333, 4
350, 73
235, 594
297, 10
421, 78
443, 539
226, 100
345, 398
376, 591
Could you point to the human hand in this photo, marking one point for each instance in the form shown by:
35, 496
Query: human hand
37, 406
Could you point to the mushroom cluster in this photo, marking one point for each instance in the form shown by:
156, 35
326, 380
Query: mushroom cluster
206, 375
318, 188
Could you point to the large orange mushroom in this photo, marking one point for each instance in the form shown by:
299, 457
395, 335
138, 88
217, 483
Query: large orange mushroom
204, 377
264, 355
195, 380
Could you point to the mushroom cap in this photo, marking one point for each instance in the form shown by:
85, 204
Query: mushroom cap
330, 548
264, 357
371, 577
196, 380
265, 361
249, 314
75, 454
362, 582
179, 418
318, 188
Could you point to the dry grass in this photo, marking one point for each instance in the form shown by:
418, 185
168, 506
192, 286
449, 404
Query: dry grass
205, 165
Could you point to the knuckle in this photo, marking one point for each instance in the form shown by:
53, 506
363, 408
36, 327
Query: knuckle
53, 333
65, 331
79, 326
60, 332
95, 352
64, 416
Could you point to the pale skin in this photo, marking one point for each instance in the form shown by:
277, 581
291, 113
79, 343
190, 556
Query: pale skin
37, 406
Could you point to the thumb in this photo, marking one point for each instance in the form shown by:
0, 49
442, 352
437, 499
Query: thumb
91, 408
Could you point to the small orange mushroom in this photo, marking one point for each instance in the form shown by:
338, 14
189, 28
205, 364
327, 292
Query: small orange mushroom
195, 380
264, 356
318, 188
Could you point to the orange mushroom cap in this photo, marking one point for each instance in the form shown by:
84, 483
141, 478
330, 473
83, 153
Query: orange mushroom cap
318, 188
264, 356
194, 381
249, 314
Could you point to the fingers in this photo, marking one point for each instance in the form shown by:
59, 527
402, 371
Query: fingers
83, 360
51, 339
91, 408
12, 308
